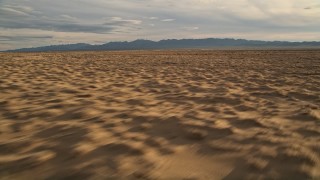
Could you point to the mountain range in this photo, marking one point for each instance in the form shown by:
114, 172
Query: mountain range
141, 44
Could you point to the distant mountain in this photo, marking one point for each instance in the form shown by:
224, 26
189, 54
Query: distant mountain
64, 47
174, 44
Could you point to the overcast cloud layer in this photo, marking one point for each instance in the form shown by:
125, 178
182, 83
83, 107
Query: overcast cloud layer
31, 23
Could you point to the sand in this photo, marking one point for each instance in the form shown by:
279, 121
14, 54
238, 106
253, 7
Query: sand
160, 115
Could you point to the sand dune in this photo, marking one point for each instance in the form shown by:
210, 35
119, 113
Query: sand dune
160, 115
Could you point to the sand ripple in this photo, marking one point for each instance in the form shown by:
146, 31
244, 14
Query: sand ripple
160, 115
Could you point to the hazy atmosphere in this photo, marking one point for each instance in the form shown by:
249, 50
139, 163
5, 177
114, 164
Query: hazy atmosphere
31, 23
160, 90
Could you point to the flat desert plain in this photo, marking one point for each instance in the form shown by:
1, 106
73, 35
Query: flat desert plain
197, 114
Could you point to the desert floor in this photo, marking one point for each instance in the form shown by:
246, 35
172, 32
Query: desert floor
160, 115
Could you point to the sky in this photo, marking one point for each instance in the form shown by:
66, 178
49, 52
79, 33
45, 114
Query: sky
33, 23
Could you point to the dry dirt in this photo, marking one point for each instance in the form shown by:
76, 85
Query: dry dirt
160, 115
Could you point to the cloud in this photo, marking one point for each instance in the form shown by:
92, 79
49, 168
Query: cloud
121, 21
190, 28
29, 18
26, 9
68, 17
313, 7
152, 18
66, 23
167, 20
11, 11
23, 38
116, 20
55, 25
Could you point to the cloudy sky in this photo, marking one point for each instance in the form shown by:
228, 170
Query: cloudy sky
31, 23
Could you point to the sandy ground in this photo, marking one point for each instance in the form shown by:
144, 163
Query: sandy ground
160, 115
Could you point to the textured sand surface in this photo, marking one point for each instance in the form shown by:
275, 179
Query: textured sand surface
160, 115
